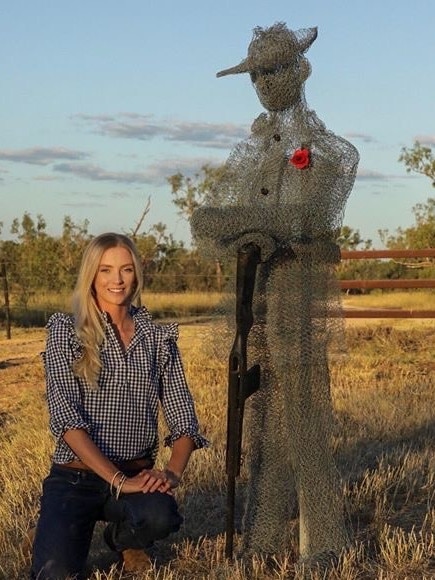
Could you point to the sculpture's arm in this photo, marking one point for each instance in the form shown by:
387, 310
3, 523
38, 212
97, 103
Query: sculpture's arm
223, 231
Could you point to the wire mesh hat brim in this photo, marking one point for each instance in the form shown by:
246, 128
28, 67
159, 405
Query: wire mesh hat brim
242, 67
297, 42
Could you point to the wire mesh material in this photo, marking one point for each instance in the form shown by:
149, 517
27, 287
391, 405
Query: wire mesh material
285, 188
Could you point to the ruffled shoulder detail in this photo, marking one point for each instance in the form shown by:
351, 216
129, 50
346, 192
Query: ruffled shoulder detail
170, 331
62, 319
61, 328
163, 336
144, 319
141, 314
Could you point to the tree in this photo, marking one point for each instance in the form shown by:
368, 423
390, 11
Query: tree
157, 250
421, 235
36, 266
189, 193
38, 262
71, 245
419, 159
27, 229
134, 232
350, 239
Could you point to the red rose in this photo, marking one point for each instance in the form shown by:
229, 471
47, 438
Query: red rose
300, 158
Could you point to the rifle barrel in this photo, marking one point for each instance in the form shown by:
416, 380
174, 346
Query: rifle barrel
241, 382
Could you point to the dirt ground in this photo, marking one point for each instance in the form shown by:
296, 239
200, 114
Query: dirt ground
19, 357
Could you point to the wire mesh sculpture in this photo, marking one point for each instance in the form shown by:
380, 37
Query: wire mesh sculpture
284, 189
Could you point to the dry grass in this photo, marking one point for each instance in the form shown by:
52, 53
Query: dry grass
168, 304
159, 303
162, 305
384, 398
418, 299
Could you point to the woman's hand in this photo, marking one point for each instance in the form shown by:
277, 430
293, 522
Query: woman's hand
146, 481
164, 481
149, 481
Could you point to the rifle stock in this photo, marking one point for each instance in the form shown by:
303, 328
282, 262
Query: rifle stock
242, 382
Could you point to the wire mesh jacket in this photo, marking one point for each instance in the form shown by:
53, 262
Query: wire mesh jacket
285, 189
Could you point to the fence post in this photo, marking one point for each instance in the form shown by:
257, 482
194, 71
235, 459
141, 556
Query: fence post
3, 274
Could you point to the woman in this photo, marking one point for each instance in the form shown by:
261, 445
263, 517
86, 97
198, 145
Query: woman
107, 369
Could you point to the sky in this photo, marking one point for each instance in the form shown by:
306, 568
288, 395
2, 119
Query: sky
101, 101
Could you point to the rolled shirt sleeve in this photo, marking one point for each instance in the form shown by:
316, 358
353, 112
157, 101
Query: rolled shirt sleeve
64, 396
176, 399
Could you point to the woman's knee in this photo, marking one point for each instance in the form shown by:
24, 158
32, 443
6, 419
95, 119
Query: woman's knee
154, 513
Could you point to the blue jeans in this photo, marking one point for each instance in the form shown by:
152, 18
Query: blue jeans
73, 501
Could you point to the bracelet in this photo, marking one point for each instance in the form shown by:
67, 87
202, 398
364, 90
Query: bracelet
113, 481
119, 486
171, 475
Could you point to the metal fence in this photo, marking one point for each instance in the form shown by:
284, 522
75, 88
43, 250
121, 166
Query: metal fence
344, 284
391, 284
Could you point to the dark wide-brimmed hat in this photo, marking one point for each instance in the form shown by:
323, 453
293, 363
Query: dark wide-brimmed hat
273, 47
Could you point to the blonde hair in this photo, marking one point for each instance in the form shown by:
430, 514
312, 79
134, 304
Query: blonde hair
89, 322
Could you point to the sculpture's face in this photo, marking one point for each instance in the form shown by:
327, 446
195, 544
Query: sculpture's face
279, 89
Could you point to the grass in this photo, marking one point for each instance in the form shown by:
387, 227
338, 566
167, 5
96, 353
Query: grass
418, 299
162, 305
384, 401
170, 305
167, 305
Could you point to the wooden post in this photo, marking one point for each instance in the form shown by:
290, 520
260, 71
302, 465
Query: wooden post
6, 297
219, 275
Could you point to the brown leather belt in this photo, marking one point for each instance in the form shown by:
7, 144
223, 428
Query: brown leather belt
129, 465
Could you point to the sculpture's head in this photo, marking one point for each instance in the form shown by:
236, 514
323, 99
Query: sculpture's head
277, 65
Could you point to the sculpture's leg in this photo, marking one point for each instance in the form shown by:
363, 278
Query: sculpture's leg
322, 527
271, 498
297, 343
271, 494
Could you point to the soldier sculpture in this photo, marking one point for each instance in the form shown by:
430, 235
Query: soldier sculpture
285, 190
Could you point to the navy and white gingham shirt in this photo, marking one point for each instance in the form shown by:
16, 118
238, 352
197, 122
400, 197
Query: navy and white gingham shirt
121, 414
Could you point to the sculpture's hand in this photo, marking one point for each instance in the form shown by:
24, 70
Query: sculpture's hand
265, 242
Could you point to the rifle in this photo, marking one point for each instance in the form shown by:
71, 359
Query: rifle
242, 382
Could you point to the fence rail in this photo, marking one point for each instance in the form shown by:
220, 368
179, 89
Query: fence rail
377, 254
364, 284
409, 283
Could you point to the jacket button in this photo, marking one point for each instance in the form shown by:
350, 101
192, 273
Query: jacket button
264, 191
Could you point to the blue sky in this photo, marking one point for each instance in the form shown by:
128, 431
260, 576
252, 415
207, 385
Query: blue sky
102, 100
